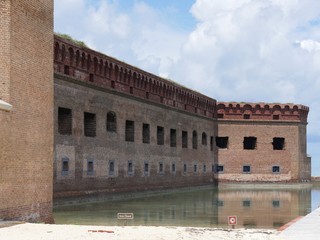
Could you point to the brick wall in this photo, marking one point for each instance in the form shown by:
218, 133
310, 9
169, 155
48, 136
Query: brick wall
26, 141
107, 146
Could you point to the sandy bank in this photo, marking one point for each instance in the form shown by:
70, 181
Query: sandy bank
30, 231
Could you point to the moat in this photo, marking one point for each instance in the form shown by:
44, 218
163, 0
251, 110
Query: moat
202, 207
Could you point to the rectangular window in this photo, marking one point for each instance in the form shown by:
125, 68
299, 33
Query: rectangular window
91, 77
130, 168
90, 167
146, 168
111, 168
211, 143
160, 135
275, 117
204, 168
65, 166
173, 137
219, 168
276, 169
129, 131
145, 133
278, 143
246, 169
195, 168
220, 115
246, 116
64, 121
173, 168
276, 203
246, 203
66, 69
161, 169
89, 124
185, 168
184, 139
222, 142
249, 143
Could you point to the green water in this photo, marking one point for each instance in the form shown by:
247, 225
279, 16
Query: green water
210, 207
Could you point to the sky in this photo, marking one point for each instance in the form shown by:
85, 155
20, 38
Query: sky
230, 50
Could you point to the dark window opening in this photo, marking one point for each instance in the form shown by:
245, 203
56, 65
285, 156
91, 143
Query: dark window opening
111, 122
89, 124
173, 167
278, 143
131, 90
91, 77
145, 133
211, 143
160, 135
222, 142
146, 168
130, 167
204, 139
66, 70
249, 143
90, 167
184, 139
173, 137
147, 95
246, 203
185, 168
65, 121
195, 168
220, 115
246, 169
219, 168
65, 165
194, 140
220, 203
111, 168
204, 168
276, 117
161, 170
276, 203
113, 84
129, 131
275, 169
246, 116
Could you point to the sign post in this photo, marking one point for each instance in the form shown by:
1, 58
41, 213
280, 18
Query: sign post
232, 220
125, 217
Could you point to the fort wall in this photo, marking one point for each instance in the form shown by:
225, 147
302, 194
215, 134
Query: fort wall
262, 142
163, 148
26, 141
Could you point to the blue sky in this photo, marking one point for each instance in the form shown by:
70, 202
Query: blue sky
230, 50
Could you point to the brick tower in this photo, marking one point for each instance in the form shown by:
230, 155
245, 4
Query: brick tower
26, 109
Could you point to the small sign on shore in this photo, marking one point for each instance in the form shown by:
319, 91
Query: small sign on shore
232, 220
125, 216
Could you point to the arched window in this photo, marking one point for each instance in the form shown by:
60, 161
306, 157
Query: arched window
204, 139
194, 140
111, 122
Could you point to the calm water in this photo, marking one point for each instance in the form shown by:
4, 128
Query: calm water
203, 208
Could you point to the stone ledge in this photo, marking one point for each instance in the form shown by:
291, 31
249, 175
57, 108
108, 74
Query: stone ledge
5, 106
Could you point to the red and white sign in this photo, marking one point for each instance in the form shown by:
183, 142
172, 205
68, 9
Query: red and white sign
232, 220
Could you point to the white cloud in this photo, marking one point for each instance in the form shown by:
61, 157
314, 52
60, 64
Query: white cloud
310, 45
241, 50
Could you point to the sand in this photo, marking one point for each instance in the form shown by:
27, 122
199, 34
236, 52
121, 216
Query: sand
28, 231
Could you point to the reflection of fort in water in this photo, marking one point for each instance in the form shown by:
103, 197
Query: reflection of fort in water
263, 208
205, 207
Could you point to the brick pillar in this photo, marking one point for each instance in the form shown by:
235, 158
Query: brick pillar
26, 131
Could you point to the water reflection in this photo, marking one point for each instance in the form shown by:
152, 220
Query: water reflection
202, 208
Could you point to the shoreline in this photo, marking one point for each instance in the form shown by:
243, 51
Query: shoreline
39, 231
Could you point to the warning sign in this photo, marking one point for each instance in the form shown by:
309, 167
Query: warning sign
232, 220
